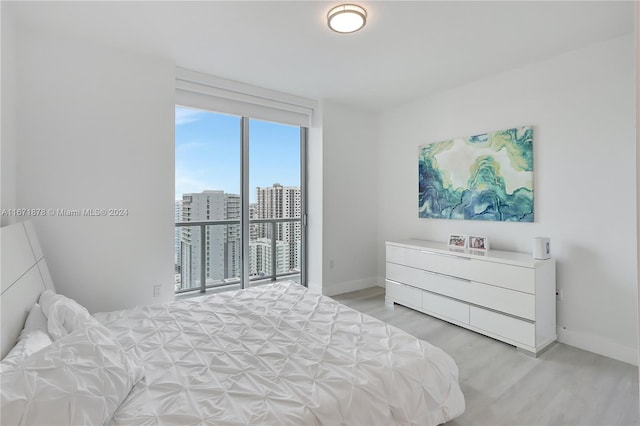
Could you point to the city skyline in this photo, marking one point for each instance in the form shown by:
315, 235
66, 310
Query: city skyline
215, 250
208, 153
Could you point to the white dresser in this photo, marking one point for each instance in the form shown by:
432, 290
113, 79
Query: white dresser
505, 295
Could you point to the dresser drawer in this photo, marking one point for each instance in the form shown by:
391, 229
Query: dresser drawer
458, 265
499, 274
498, 298
501, 299
503, 325
436, 283
445, 307
404, 294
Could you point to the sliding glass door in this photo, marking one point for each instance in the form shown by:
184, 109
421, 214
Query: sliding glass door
275, 231
239, 201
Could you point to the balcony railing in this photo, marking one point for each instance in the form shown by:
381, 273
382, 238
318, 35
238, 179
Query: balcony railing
219, 241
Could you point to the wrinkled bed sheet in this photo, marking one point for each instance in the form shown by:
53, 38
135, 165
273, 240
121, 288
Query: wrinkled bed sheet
279, 354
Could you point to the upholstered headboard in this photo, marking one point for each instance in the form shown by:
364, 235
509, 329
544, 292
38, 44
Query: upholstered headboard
24, 275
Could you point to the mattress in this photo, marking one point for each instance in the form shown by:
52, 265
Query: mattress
279, 354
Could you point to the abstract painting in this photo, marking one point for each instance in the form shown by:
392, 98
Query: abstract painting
483, 177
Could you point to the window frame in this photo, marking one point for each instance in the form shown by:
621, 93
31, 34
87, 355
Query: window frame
245, 222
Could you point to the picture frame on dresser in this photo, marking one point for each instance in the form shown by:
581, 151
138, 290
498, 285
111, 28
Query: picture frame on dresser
457, 241
478, 243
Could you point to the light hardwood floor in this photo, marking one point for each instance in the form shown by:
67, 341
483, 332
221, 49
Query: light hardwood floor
563, 386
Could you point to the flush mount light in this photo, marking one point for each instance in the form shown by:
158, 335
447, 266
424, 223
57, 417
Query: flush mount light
346, 18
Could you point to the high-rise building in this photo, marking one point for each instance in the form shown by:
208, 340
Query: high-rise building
221, 242
260, 255
178, 218
178, 244
277, 202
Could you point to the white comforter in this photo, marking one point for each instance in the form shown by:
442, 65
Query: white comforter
279, 354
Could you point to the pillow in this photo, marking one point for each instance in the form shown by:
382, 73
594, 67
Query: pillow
81, 378
33, 337
64, 315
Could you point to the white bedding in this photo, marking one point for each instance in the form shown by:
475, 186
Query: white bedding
279, 354
80, 379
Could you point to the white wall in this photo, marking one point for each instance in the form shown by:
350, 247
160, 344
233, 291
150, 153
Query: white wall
8, 119
581, 105
350, 197
96, 130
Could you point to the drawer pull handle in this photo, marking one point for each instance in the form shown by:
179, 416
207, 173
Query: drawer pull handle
445, 254
449, 276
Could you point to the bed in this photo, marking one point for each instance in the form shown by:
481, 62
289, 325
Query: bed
274, 354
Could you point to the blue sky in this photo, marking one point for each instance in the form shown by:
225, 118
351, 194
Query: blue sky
208, 153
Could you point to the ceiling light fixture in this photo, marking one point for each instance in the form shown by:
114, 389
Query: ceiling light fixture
346, 18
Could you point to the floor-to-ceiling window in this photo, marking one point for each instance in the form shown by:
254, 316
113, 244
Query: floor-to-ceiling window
239, 201
275, 200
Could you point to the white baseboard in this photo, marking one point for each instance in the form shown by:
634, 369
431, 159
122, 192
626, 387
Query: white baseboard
349, 286
599, 345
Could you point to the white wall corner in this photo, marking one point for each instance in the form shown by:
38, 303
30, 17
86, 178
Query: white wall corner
598, 345
349, 286
350, 193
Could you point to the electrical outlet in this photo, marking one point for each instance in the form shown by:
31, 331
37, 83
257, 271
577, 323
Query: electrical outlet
156, 290
558, 295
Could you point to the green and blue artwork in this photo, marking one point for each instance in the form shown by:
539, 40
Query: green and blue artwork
483, 177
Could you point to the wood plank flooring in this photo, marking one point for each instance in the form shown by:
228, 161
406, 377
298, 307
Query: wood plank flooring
565, 386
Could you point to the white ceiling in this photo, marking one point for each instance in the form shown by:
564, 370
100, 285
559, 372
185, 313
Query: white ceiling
407, 49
